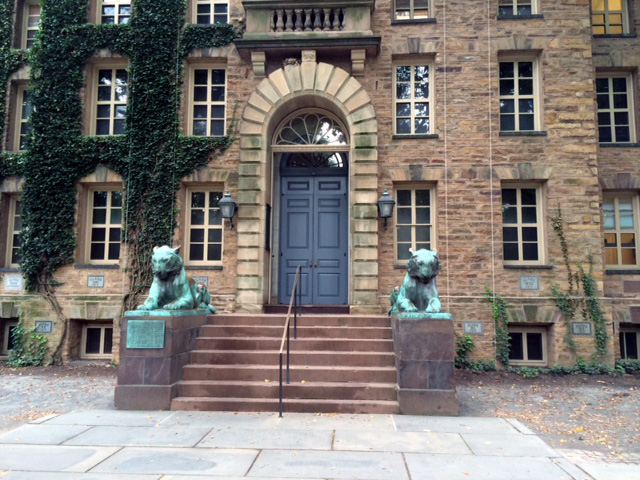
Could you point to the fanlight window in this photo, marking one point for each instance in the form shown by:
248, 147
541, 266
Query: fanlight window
313, 160
311, 129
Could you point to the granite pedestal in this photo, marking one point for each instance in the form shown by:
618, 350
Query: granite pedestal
424, 346
149, 371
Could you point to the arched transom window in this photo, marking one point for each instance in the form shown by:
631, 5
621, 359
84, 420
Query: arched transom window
312, 129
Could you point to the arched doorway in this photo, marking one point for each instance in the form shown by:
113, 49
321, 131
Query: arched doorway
310, 152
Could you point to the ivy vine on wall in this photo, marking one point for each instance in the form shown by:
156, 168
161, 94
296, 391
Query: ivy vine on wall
151, 157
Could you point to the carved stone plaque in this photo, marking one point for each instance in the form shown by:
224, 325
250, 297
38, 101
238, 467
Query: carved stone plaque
145, 334
529, 283
13, 283
202, 280
581, 328
95, 281
473, 328
44, 326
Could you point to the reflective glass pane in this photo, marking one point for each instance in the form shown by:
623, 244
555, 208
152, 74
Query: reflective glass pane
403, 197
422, 90
507, 106
403, 90
200, 127
516, 350
214, 235
506, 70
403, 234
422, 109
199, 111
526, 106
214, 252
423, 197
404, 216
217, 77
507, 87
92, 345
403, 74
121, 94
215, 217
529, 215
121, 77
525, 87
121, 111
403, 251
197, 217
534, 346
423, 215
214, 199
423, 234
403, 109
116, 216
421, 73
525, 69
403, 126
422, 125
217, 94
509, 214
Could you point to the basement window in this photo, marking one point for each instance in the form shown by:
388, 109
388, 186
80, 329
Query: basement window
97, 341
528, 346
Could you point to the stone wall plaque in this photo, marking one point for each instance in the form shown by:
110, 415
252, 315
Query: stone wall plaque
13, 283
581, 328
44, 326
202, 280
145, 334
529, 283
95, 281
473, 328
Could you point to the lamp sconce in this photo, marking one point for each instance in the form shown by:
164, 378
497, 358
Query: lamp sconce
228, 207
385, 207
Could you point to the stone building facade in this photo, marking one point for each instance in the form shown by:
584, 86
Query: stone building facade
480, 118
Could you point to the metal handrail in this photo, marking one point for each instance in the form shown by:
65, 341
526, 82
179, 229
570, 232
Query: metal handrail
295, 303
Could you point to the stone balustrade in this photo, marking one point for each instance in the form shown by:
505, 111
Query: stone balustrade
308, 19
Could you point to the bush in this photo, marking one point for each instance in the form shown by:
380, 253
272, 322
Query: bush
464, 347
29, 347
628, 366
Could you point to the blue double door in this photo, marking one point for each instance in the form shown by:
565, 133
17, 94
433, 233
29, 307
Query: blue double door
313, 234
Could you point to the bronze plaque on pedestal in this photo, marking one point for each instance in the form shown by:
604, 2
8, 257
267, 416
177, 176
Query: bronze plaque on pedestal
147, 334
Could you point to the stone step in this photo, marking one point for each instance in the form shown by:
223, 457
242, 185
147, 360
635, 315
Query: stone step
298, 373
305, 320
299, 345
303, 331
290, 405
294, 390
271, 357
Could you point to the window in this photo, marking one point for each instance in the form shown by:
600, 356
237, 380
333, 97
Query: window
7, 337
23, 107
208, 12
414, 220
14, 227
522, 226
629, 342
411, 9
209, 102
105, 225
412, 99
620, 212
609, 17
527, 346
518, 109
516, 8
204, 227
97, 341
111, 101
115, 12
615, 111
31, 23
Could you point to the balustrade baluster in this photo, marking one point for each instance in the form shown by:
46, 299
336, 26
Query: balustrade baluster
340, 19
326, 25
298, 24
317, 25
289, 25
280, 21
307, 19
272, 21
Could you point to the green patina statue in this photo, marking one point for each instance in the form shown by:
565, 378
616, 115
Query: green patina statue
171, 288
418, 292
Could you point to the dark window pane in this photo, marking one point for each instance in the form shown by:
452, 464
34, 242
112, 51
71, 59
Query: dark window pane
524, 11
97, 251
215, 217
403, 74
102, 127
92, 346
605, 135
200, 94
603, 101
108, 340
619, 84
404, 234
114, 234
114, 251
403, 126
403, 109
505, 11
506, 70
509, 196
197, 217
526, 122
507, 106
423, 234
602, 85
12, 341
534, 346
118, 127
403, 90
217, 94
200, 77
197, 235
525, 87
525, 69
528, 196
403, 197
604, 119
530, 234
99, 216
516, 352
510, 234
217, 77
103, 111
526, 106
631, 346
423, 215
214, 252
215, 235
403, 251
200, 128
116, 199
507, 123
622, 134
530, 252
529, 215
423, 198
620, 101
196, 252
404, 216
217, 111
507, 87
509, 214
217, 128
511, 251
621, 118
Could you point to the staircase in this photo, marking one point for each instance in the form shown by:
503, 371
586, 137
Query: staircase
339, 364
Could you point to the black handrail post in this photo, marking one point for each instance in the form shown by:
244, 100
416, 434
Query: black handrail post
299, 292
288, 337
281, 394
295, 312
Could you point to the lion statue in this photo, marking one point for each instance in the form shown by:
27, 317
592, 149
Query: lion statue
418, 292
171, 288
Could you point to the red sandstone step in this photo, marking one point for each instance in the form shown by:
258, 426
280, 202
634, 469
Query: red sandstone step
290, 405
301, 344
298, 373
271, 357
305, 320
294, 390
303, 332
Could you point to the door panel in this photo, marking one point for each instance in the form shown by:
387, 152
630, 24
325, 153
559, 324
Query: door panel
314, 235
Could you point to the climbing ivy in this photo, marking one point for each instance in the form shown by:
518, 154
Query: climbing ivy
152, 157
501, 322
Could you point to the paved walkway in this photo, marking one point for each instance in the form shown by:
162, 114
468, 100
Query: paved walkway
118, 445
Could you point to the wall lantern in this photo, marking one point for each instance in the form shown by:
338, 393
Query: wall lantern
385, 206
228, 207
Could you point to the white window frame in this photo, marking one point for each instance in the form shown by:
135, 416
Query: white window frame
525, 330
107, 225
516, 97
83, 346
206, 227
540, 223
26, 27
606, 13
627, 331
611, 111
412, 11
111, 103
618, 231
412, 101
514, 7
212, 15
209, 104
413, 187
6, 334
11, 231
20, 120
117, 16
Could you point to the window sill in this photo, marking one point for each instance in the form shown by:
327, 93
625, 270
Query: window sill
399, 267
619, 35
96, 267
619, 145
9, 270
533, 133
204, 267
414, 21
622, 272
521, 17
416, 137
528, 267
